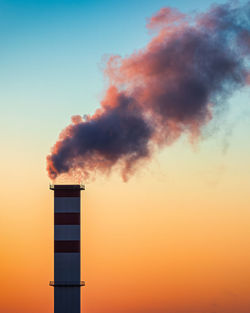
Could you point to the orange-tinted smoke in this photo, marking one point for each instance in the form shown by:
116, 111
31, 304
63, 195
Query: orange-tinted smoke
171, 87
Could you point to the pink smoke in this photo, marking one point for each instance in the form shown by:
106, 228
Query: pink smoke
171, 87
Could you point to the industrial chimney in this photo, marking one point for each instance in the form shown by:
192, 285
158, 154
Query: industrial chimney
67, 248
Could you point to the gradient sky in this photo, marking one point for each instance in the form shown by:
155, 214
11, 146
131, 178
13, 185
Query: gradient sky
176, 237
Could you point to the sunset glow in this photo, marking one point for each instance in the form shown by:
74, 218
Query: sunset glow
173, 238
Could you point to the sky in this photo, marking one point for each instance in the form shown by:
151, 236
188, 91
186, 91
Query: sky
175, 238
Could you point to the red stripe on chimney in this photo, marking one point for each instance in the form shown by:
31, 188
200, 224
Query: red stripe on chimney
65, 246
67, 219
67, 193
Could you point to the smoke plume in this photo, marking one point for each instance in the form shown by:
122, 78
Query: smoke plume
172, 86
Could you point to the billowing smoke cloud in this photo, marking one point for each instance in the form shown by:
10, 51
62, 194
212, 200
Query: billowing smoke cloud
173, 86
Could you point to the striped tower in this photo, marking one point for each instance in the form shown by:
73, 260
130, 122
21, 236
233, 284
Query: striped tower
67, 248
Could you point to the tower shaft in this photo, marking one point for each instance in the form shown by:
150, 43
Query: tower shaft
67, 248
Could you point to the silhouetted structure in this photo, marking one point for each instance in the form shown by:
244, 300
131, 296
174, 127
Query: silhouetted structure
67, 248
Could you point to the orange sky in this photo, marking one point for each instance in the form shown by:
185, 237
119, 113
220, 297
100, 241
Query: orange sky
175, 238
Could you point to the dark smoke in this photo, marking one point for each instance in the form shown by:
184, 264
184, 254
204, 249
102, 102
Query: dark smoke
172, 86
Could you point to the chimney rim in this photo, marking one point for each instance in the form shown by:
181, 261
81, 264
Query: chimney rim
66, 187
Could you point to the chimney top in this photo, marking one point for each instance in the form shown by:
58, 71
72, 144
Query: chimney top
67, 187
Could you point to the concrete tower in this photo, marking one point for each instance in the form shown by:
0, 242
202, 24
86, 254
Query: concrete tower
67, 248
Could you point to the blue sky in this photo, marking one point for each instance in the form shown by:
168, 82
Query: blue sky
51, 59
